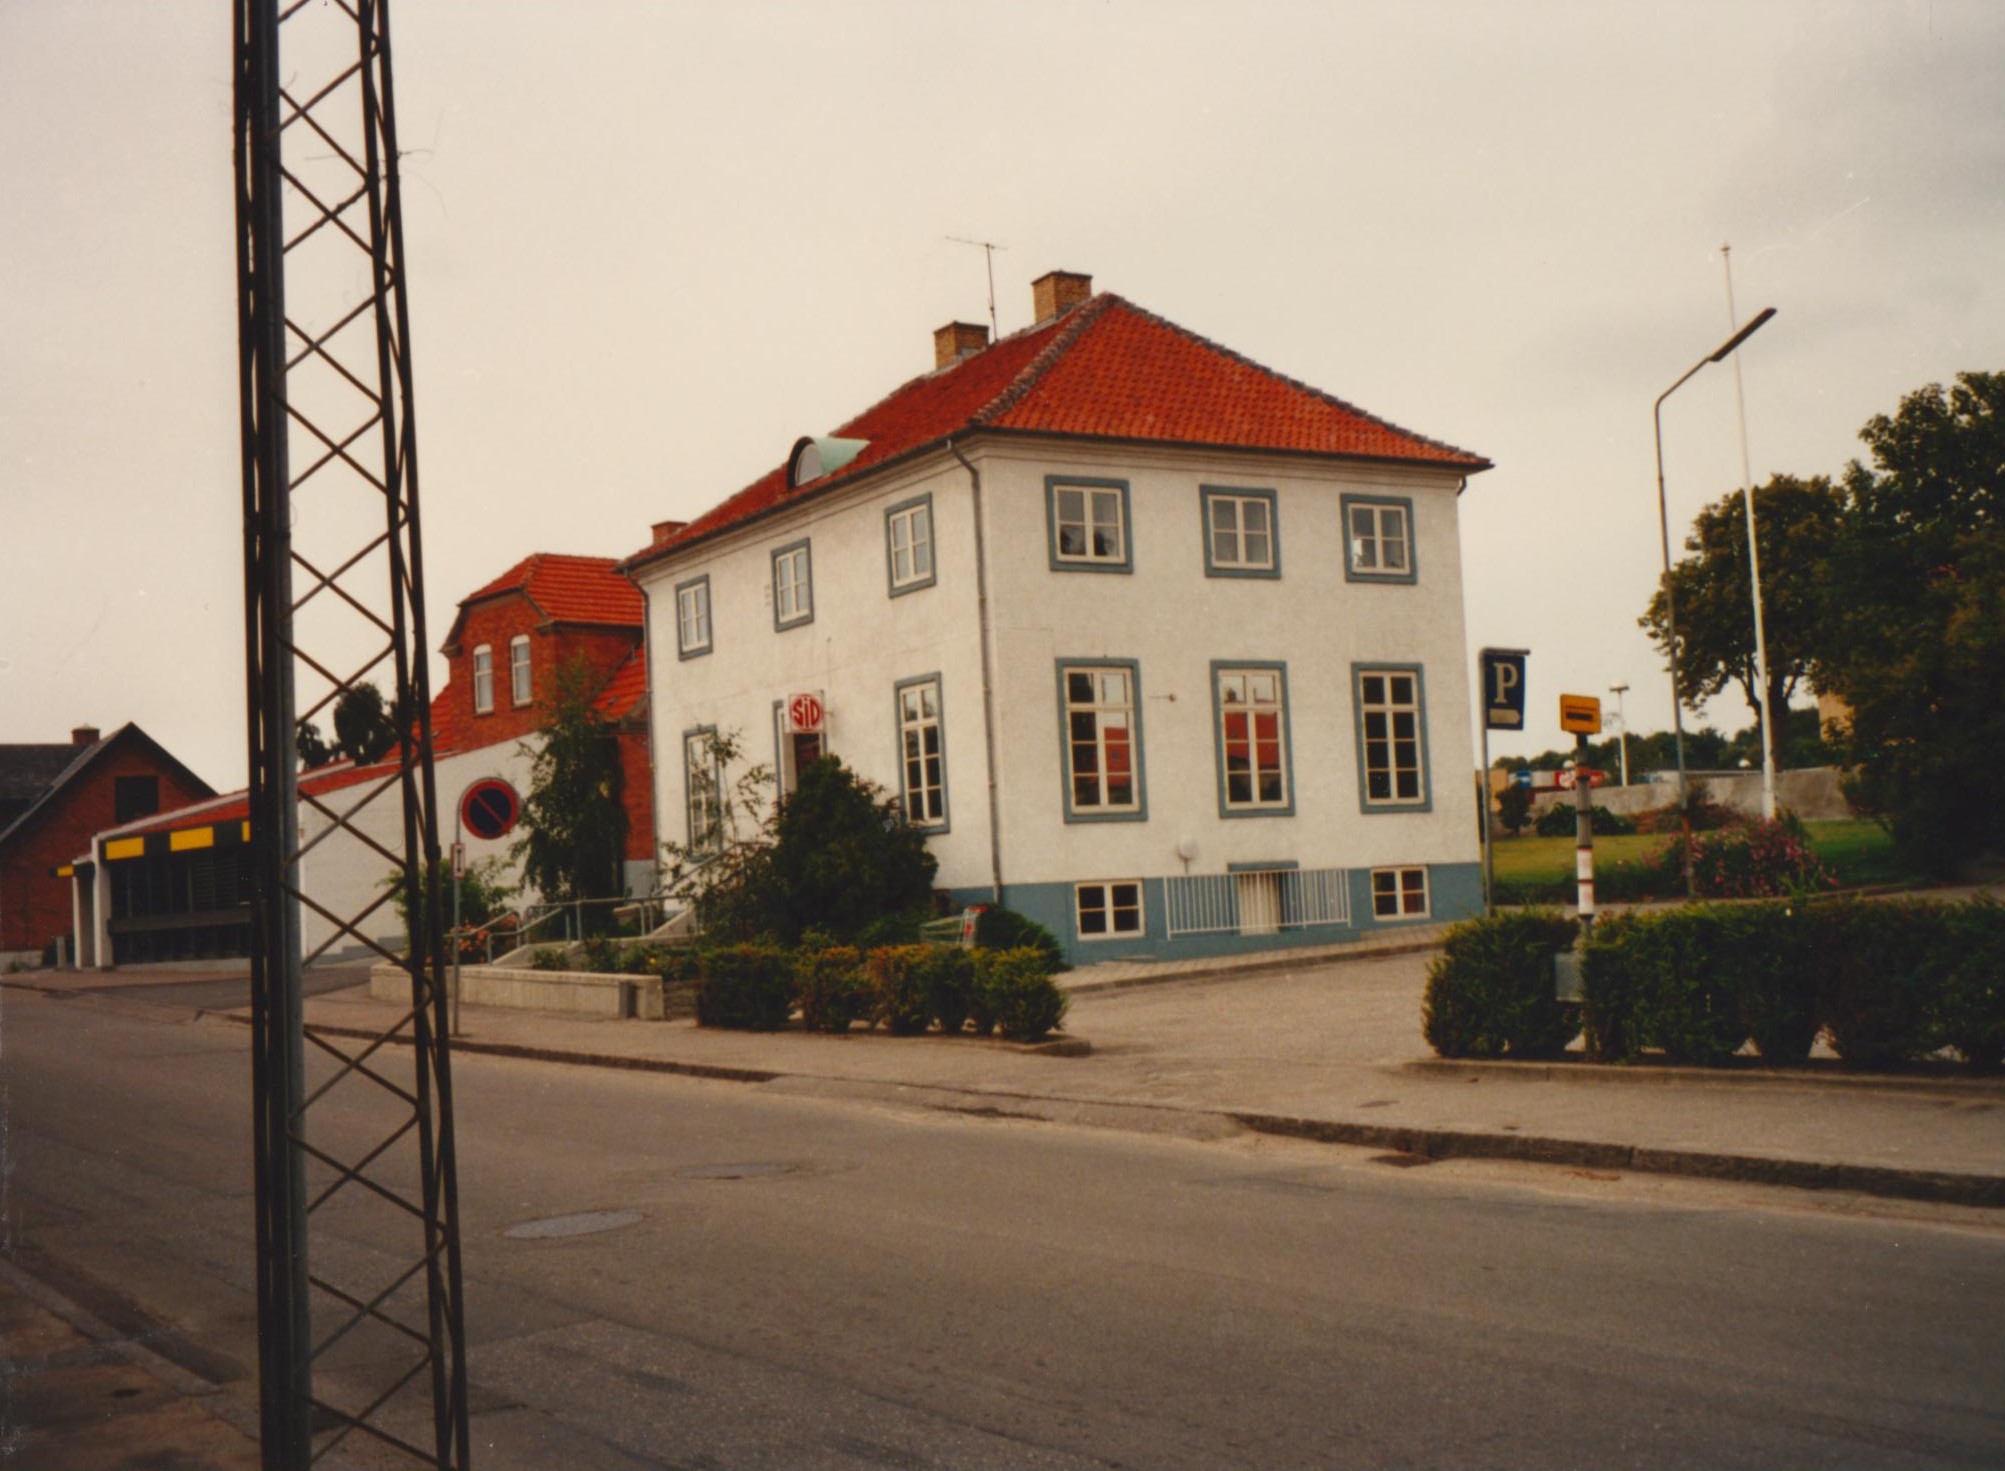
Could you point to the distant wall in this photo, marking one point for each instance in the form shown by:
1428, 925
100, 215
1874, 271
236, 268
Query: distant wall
1812, 794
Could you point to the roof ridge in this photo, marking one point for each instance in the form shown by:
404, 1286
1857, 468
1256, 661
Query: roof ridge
1027, 378
1297, 384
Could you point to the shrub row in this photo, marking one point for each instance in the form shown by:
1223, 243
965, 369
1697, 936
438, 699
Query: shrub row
1885, 983
1562, 820
908, 989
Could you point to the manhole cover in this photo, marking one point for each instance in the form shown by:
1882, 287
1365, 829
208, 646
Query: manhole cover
1402, 1161
582, 1224
733, 1172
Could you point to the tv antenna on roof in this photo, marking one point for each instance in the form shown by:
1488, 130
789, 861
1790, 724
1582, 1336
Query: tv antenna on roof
989, 249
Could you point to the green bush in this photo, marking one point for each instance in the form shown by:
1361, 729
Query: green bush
1770, 963
551, 957
1016, 994
1966, 973
748, 987
1760, 860
1666, 982
999, 928
1490, 991
601, 955
951, 981
902, 977
1562, 820
830, 983
1608, 988
1874, 980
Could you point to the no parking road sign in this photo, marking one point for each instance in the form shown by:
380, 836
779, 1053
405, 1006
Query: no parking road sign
489, 809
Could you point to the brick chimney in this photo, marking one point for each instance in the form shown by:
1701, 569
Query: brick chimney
958, 340
663, 530
84, 735
1058, 291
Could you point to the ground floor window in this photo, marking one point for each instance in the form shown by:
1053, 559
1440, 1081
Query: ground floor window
922, 759
1399, 893
1109, 909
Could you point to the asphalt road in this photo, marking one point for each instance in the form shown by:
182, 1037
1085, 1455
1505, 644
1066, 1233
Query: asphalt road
807, 1283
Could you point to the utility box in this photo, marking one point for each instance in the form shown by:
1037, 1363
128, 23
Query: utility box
1566, 984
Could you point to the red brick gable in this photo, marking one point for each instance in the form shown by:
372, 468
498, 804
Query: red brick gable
562, 589
1104, 370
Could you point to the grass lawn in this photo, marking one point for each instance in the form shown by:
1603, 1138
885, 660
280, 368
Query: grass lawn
1856, 850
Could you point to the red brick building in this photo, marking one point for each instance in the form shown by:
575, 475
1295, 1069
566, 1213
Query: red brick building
53, 799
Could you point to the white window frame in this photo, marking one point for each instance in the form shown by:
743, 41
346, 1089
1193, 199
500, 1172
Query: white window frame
521, 685
1104, 889
692, 618
1394, 884
1390, 710
702, 790
1101, 505
1365, 549
793, 585
911, 566
924, 800
1097, 708
1224, 678
483, 679
1217, 498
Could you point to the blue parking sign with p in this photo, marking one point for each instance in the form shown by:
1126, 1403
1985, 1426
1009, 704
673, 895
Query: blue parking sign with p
1504, 689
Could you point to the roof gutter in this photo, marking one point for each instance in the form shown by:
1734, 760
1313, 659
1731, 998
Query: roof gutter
986, 634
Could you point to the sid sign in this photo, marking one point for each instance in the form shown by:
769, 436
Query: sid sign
1504, 689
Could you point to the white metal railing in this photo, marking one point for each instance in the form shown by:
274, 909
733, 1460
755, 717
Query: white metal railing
1255, 902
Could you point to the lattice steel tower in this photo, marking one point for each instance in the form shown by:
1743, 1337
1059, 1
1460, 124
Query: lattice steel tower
358, 1260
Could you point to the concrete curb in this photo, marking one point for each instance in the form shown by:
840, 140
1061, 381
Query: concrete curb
1295, 960
1941, 1187
1947, 1085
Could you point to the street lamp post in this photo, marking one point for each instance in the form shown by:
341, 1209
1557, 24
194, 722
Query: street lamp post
1622, 724
1718, 354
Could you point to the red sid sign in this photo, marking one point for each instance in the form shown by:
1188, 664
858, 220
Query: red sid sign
804, 714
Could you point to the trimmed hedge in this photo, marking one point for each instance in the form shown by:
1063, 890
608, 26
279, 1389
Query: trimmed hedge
1490, 991
831, 987
1886, 983
1562, 820
1016, 994
749, 987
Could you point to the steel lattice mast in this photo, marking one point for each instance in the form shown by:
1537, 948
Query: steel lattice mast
360, 1332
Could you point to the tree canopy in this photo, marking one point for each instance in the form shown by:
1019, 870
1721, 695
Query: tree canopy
363, 729
574, 823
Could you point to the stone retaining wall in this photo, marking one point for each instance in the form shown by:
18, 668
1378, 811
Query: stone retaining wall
573, 993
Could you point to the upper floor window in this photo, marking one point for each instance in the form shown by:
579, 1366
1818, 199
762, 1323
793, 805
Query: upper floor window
1103, 745
134, 797
793, 586
1392, 737
922, 756
908, 545
1378, 538
1240, 535
692, 618
1089, 524
518, 669
483, 680
1252, 712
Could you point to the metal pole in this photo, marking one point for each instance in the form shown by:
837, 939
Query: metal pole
1583, 836
1489, 839
1622, 724
458, 858
1753, 570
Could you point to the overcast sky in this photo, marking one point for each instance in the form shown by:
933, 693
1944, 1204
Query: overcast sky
653, 243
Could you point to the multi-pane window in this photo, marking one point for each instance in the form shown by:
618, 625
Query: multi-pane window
1102, 754
1109, 909
1378, 536
703, 791
1395, 753
793, 586
134, 797
1089, 525
1399, 893
921, 753
1253, 738
908, 536
1240, 533
483, 680
518, 669
692, 618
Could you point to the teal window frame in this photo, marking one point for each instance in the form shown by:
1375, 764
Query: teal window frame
1355, 573
1139, 811
806, 615
1210, 495
944, 822
1107, 888
1053, 485
1226, 808
696, 651
689, 769
916, 583
1398, 892
1366, 802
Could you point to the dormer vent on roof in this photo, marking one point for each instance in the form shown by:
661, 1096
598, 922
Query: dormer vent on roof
958, 340
813, 458
1058, 291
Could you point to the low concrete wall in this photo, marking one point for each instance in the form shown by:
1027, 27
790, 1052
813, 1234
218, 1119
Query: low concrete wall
572, 993
1812, 794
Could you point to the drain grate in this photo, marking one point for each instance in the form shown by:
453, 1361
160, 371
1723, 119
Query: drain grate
584, 1223
734, 1172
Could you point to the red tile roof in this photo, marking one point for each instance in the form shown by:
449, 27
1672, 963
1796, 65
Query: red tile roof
625, 690
564, 590
1105, 370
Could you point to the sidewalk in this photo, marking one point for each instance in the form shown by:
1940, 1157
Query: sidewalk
1319, 1047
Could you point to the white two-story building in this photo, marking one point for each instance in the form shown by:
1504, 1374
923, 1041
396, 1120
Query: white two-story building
1161, 648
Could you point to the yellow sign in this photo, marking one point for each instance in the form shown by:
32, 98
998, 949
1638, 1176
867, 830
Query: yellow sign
1580, 714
